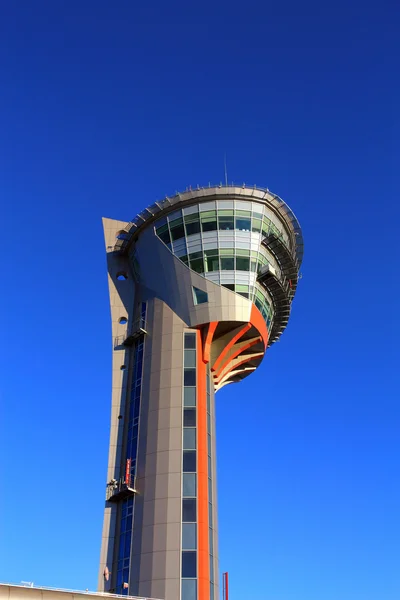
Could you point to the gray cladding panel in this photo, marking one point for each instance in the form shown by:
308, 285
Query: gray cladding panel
157, 527
171, 281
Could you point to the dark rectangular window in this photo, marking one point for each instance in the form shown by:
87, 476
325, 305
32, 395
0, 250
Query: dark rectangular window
212, 264
189, 510
189, 461
225, 222
197, 265
190, 341
227, 263
209, 225
199, 296
189, 417
189, 377
242, 263
177, 232
243, 224
163, 233
192, 228
189, 564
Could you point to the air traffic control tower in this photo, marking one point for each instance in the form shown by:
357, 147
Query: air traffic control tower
201, 284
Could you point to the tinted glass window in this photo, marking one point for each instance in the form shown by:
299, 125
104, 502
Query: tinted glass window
190, 341
192, 228
177, 232
242, 263
189, 589
190, 358
189, 377
197, 265
189, 396
189, 564
189, 438
200, 297
225, 223
212, 264
243, 224
227, 263
209, 225
189, 417
189, 536
164, 235
189, 461
189, 484
189, 510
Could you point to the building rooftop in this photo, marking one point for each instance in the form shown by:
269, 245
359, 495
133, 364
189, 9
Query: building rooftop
191, 195
23, 590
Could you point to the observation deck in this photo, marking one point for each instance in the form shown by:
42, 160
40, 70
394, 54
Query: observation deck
207, 194
281, 293
288, 263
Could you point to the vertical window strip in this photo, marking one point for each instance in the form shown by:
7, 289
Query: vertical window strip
210, 486
189, 468
127, 506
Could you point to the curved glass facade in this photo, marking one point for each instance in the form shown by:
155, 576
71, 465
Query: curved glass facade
221, 240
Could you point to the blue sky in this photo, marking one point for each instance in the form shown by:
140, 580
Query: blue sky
105, 108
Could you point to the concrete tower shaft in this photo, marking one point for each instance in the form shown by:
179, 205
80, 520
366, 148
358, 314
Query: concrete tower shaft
200, 284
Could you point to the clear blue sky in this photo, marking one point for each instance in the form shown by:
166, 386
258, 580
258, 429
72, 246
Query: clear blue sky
105, 108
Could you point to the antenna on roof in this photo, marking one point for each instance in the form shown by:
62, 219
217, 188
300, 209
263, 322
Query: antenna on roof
226, 171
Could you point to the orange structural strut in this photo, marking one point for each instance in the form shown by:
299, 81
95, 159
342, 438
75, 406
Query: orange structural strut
246, 358
236, 353
229, 345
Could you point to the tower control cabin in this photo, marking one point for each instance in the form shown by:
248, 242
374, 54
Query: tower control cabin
201, 284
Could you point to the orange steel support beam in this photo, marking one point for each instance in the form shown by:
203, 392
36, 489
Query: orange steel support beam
229, 345
248, 358
203, 560
208, 341
241, 349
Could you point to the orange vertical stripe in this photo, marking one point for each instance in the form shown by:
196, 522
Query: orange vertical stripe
203, 560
